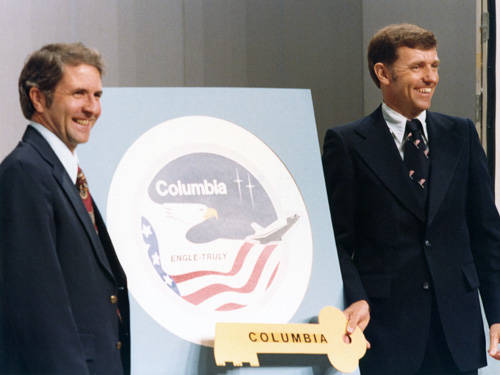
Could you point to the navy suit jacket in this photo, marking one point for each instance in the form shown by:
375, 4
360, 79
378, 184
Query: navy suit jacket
396, 254
57, 275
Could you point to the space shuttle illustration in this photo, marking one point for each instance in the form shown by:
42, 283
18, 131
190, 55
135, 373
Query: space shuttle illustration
274, 231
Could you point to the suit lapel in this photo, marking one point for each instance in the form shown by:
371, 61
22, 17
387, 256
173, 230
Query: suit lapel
378, 149
445, 148
80, 210
34, 138
107, 245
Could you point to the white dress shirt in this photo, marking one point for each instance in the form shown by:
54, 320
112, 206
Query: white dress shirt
397, 124
68, 159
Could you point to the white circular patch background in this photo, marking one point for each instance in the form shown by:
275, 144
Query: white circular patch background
155, 149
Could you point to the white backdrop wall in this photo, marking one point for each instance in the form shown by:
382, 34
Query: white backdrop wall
316, 44
279, 43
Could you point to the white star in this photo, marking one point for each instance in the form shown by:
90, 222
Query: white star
250, 188
146, 230
156, 259
238, 181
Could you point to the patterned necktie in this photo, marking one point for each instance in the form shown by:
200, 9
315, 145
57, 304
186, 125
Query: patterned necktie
416, 154
83, 188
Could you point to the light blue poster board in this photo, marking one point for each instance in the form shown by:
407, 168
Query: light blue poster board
282, 120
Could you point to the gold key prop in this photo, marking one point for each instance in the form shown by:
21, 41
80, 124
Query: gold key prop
241, 342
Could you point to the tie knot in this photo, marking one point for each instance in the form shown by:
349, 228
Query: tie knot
414, 126
81, 184
83, 188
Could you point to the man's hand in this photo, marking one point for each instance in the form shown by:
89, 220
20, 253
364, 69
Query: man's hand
358, 315
494, 339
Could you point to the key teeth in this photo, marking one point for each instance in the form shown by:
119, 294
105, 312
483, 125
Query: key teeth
252, 363
234, 363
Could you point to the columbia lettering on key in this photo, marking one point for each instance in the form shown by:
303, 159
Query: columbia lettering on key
240, 343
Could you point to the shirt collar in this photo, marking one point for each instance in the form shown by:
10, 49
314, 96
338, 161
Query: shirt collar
68, 159
397, 122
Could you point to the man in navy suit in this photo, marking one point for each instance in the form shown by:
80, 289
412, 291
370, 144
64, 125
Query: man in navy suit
63, 294
414, 252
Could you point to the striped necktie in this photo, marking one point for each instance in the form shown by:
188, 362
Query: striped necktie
416, 154
83, 188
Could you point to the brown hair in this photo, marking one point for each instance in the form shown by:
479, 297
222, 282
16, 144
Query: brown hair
384, 44
44, 69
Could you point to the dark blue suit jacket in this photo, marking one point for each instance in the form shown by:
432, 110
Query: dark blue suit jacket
57, 275
395, 254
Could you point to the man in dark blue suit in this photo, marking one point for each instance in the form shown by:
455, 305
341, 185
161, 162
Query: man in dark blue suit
63, 294
416, 242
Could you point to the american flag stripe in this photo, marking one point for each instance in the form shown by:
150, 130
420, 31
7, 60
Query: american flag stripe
211, 290
238, 280
272, 276
253, 298
230, 307
251, 273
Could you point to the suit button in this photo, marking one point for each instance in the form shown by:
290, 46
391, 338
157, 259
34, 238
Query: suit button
119, 345
113, 299
426, 285
427, 243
